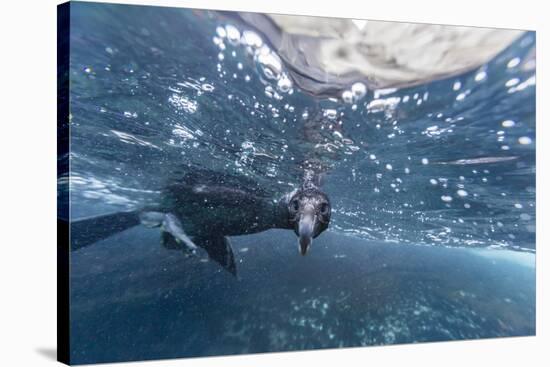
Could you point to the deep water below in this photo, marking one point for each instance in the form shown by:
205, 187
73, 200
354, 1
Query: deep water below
132, 299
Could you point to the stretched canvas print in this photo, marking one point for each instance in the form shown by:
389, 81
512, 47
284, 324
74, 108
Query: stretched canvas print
233, 183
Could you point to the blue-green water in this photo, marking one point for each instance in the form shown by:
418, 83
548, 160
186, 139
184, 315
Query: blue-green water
432, 187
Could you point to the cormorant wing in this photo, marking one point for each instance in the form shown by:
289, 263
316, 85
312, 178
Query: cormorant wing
87, 231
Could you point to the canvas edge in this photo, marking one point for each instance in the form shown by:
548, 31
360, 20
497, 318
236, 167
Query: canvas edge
63, 207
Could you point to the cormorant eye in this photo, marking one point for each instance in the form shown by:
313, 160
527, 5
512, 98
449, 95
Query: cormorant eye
324, 208
295, 205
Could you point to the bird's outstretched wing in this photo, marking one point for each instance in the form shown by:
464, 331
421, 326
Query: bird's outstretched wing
84, 232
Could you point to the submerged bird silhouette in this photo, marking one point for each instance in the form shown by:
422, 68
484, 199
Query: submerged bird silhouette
201, 210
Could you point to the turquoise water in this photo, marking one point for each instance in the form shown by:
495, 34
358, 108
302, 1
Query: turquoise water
432, 235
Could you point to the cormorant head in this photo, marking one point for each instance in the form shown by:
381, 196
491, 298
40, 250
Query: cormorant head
309, 215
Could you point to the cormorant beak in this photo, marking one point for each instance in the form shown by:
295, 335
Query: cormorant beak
306, 227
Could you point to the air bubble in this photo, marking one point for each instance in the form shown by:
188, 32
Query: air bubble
269, 91
358, 90
233, 34
207, 87
284, 84
221, 32
252, 39
330, 114
271, 65
480, 76
513, 63
347, 96
512, 82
